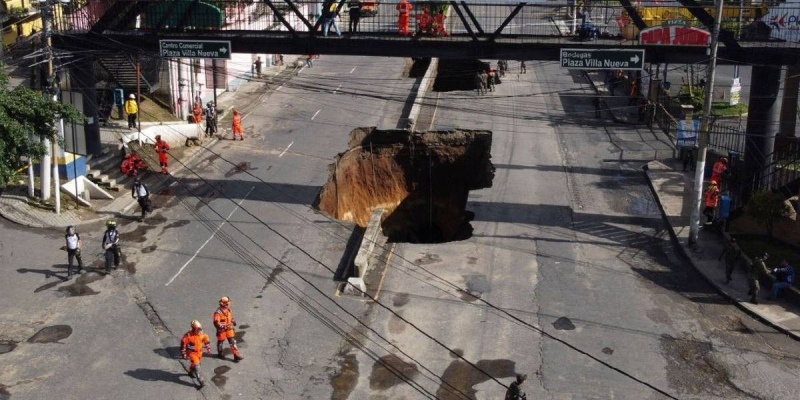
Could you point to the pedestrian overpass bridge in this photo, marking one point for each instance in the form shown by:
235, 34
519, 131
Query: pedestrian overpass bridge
669, 32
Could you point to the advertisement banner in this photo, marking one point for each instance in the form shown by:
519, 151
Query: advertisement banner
688, 129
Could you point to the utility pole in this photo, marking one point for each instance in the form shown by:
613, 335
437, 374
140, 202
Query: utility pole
703, 135
44, 170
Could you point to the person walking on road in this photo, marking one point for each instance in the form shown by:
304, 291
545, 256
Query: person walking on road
211, 119
257, 65
514, 391
598, 110
478, 83
754, 271
354, 10
192, 345
111, 245
523, 69
141, 193
224, 322
237, 125
733, 255
132, 109
162, 149
73, 250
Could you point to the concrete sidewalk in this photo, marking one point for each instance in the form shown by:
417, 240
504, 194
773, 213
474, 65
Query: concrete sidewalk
673, 191
18, 208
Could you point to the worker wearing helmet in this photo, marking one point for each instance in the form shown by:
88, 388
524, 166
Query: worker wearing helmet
132, 109
111, 245
211, 119
192, 345
73, 250
127, 167
719, 170
162, 148
224, 322
403, 9
712, 200
238, 129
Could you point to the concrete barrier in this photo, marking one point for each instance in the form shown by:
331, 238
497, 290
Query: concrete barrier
363, 260
420, 89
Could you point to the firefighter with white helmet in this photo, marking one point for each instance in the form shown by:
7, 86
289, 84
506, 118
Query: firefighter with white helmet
192, 345
224, 322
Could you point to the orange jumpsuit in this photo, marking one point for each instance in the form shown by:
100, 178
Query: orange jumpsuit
192, 347
127, 166
162, 148
438, 24
719, 169
424, 21
404, 8
237, 126
224, 322
712, 199
198, 113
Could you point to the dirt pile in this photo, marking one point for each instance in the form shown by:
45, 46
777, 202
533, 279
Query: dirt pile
422, 179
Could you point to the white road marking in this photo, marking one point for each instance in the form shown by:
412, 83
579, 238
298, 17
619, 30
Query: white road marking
354, 68
337, 89
287, 148
239, 204
315, 114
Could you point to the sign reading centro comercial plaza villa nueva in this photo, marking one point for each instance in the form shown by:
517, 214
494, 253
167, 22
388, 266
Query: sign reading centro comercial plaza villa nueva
219, 49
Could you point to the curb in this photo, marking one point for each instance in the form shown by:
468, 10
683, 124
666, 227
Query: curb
124, 210
741, 305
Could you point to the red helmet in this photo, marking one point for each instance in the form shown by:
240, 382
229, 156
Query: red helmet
713, 182
158, 137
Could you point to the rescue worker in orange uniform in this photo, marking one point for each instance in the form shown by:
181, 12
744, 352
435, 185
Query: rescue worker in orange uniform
192, 346
127, 167
720, 167
162, 148
237, 125
224, 322
712, 199
197, 111
438, 24
404, 8
424, 21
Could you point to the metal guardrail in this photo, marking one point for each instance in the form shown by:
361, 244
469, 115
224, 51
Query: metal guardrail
463, 20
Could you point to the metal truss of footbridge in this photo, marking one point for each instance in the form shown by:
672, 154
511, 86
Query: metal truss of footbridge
489, 30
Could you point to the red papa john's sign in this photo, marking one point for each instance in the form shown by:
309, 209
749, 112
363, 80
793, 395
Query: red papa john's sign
675, 35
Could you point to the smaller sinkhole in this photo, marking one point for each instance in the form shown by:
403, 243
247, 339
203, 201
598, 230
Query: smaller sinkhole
422, 179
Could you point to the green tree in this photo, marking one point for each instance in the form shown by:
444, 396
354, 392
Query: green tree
766, 207
25, 117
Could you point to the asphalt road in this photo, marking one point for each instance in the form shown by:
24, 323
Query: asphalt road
569, 276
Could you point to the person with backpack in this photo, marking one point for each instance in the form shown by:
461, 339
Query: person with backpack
111, 245
141, 193
330, 10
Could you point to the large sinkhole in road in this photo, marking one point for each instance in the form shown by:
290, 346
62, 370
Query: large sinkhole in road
421, 179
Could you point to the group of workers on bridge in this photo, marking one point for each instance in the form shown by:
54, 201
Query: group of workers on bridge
426, 23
